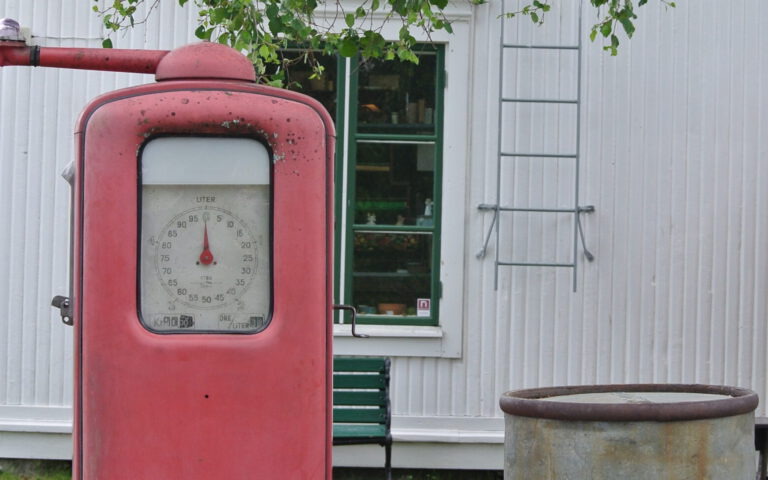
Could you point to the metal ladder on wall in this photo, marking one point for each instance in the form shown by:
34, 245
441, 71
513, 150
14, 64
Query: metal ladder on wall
511, 156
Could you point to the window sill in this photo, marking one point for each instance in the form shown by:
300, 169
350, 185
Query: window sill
400, 331
392, 341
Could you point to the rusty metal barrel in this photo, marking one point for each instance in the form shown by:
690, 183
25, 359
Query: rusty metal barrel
628, 432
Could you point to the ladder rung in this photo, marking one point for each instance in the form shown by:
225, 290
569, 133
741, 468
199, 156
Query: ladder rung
488, 206
542, 47
539, 100
540, 155
538, 210
520, 264
581, 209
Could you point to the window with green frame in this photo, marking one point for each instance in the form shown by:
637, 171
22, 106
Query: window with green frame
388, 183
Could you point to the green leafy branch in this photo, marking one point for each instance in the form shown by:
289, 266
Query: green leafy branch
612, 14
120, 14
261, 29
619, 12
535, 11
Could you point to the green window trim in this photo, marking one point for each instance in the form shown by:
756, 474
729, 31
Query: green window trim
338, 178
414, 233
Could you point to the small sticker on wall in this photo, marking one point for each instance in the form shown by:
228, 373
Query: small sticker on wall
423, 307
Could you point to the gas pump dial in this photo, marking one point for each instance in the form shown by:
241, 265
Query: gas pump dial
199, 280
205, 235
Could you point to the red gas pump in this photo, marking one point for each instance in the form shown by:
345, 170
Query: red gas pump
201, 266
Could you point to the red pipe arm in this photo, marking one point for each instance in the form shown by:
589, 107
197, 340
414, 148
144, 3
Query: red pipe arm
107, 59
14, 53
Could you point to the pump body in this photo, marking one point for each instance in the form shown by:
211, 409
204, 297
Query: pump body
231, 400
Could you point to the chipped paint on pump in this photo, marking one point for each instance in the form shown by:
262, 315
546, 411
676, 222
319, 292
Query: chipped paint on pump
235, 122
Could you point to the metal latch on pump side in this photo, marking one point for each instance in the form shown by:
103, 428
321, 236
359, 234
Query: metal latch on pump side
64, 304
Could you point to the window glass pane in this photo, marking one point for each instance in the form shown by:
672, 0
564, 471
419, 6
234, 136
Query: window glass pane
394, 184
397, 97
392, 271
392, 229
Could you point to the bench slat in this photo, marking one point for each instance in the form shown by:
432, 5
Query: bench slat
341, 380
345, 364
359, 431
359, 415
345, 398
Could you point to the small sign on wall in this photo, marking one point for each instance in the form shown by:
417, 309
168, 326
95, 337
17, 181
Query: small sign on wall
423, 307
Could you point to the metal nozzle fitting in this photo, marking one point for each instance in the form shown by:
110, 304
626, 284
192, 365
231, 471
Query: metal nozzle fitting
10, 30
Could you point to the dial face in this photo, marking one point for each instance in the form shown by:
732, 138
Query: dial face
205, 251
186, 265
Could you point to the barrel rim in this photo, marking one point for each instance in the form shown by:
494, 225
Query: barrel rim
527, 403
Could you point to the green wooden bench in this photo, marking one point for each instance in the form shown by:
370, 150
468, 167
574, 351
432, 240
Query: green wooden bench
361, 410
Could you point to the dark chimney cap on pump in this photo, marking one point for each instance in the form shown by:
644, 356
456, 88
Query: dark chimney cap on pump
10, 30
205, 60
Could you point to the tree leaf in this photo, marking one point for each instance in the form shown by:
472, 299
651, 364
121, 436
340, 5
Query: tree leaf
629, 27
606, 29
202, 33
218, 14
350, 20
106, 43
348, 47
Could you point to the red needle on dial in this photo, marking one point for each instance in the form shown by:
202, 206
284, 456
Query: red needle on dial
206, 258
